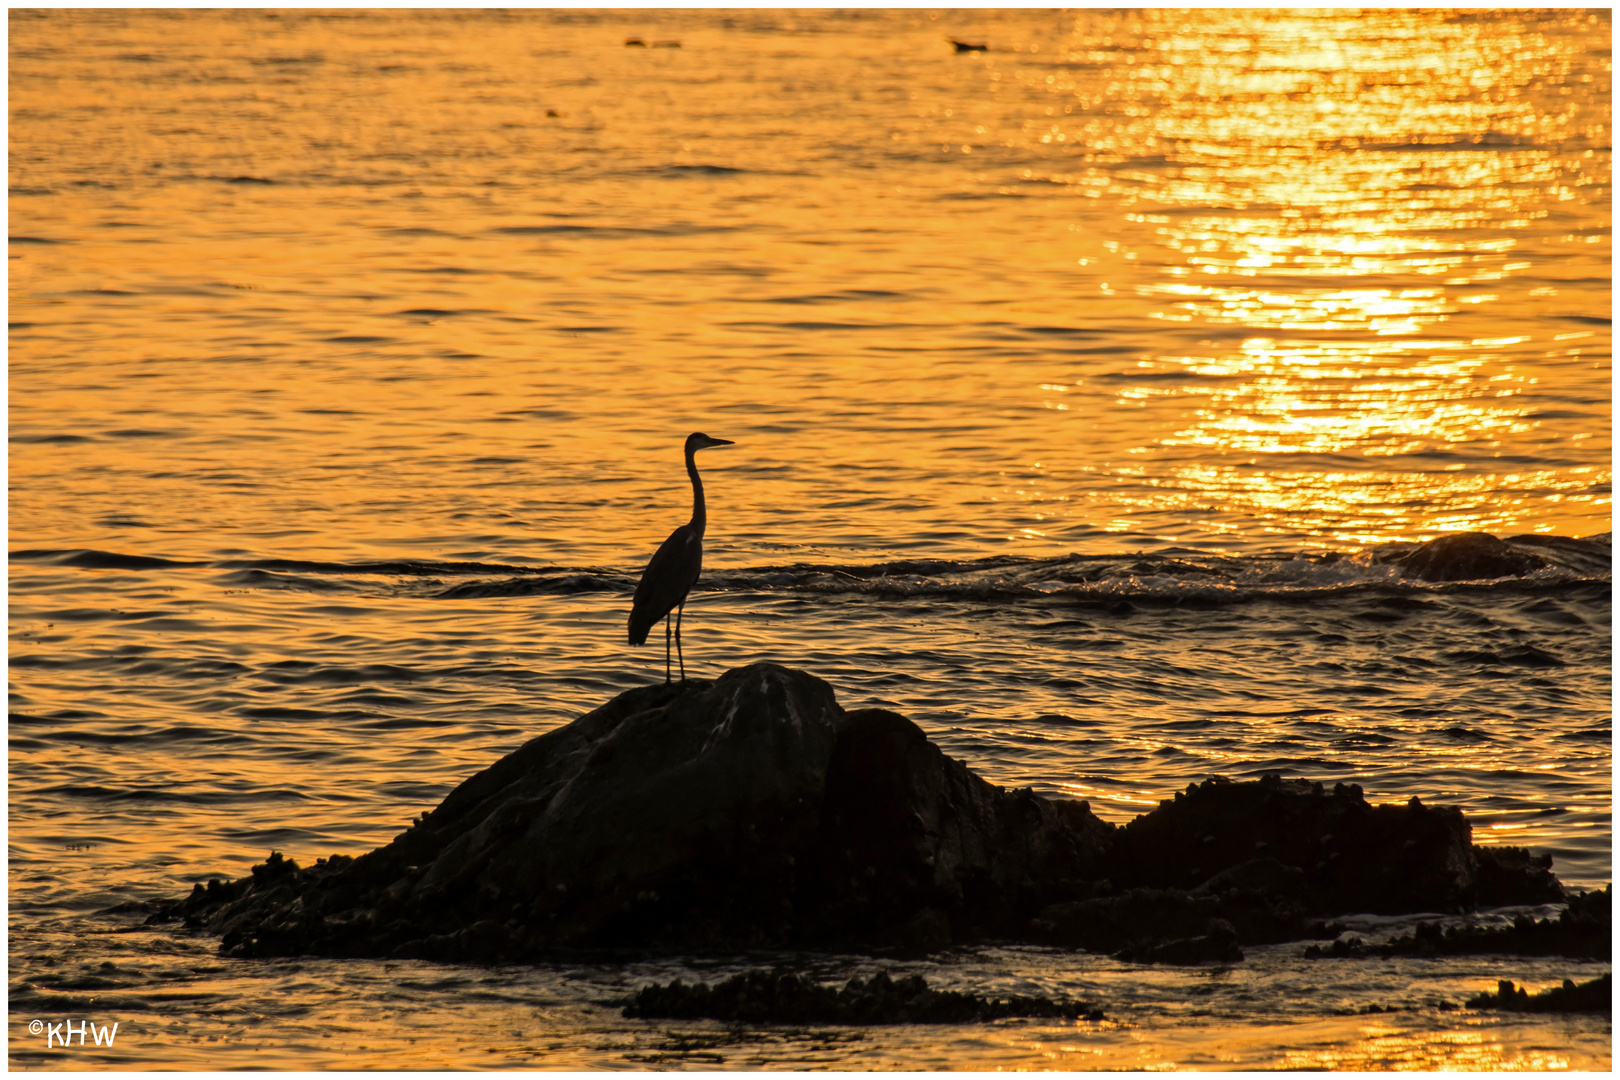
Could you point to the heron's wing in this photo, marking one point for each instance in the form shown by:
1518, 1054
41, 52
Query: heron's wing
666, 581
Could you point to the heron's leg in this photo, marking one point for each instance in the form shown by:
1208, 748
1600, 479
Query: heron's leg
666, 648
680, 610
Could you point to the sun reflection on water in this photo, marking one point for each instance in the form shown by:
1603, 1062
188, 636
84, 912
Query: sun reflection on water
1425, 1042
1332, 397
1387, 1047
1374, 507
1340, 188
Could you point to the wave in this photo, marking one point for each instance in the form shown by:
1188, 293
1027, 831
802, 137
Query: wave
91, 559
1177, 576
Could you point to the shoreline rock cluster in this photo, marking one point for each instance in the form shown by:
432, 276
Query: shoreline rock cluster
785, 997
1596, 996
1583, 931
754, 812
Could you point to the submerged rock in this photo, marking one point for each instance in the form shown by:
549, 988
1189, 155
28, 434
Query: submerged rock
1596, 996
753, 811
779, 997
1470, 556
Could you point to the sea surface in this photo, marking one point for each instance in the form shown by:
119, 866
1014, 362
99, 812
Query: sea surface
1083, 389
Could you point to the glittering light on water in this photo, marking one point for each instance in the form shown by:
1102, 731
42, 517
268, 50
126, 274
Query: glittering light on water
1349, 192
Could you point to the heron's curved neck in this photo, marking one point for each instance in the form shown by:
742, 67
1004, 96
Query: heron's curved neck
700, 519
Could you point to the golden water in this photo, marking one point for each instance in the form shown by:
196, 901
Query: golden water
1152, 301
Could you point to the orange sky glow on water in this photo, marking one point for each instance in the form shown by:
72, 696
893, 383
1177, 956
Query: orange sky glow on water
1343, 285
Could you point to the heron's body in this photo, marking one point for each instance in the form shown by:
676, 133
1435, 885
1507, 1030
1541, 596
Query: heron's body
675, 566
669, 576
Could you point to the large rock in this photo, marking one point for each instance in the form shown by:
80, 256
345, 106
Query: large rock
753, 811
750, 811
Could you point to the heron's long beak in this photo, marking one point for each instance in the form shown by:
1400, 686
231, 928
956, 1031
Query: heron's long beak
720, 442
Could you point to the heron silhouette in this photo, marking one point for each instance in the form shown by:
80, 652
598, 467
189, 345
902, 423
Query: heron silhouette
674, 567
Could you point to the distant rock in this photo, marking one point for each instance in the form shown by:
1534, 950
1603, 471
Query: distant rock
753, 811
1470, 556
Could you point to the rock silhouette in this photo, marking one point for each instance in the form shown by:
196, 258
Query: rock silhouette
1596, 996
1291, 838
753, 811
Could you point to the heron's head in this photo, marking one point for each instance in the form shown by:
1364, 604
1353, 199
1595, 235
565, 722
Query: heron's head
699, 441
